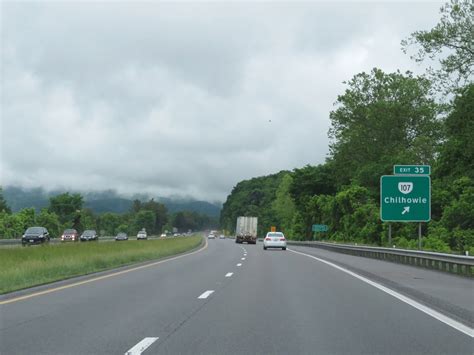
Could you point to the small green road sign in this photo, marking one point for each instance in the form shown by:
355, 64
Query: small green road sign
405, 198
320, 228
412, 169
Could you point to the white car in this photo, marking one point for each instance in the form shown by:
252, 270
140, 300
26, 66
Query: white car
142, 235
222, 236
163, 235
211, 236
274, 240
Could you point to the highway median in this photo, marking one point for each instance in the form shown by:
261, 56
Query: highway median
21, 268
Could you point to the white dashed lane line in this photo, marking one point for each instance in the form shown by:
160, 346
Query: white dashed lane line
141, 346
229, 274
206, 294
239, 264
242, 259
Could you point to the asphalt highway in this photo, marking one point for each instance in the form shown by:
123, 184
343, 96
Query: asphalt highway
229, 298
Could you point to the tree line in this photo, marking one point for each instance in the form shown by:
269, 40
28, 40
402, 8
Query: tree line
383, 119
67, 211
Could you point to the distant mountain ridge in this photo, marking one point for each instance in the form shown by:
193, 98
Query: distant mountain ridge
102, 201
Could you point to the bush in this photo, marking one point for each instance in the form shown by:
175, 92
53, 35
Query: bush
435, 244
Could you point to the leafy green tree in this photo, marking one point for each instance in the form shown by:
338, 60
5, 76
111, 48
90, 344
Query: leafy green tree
123, 228
143, 219
309, 181
67, 207
27, 217
460, 213
160, 212
252, 197
50, 221
283, 205
357, 216
3, 204
11, 226
457, 153
87, 220
382, 119
108, 223
14, 225
298, 227
451, 42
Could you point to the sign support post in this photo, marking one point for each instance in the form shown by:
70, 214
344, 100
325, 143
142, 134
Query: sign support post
389, 234
419, 236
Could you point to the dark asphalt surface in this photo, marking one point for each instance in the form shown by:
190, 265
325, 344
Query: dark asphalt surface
450, 294
277, 302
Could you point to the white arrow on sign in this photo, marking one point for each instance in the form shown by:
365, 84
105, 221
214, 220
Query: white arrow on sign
406, 209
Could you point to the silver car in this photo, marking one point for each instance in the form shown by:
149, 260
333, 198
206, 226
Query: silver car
274, 240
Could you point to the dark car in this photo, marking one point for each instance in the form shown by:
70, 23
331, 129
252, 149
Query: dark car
70, 235
88, 235
121, 236
35, 235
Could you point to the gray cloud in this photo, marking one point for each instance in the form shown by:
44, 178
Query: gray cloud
182, 99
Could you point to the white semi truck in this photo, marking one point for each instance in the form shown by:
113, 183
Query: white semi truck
246, 230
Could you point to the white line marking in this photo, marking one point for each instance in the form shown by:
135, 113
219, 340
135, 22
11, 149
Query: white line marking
431, 312
206, 294
242, 259
141, 346
239, 264
229, 274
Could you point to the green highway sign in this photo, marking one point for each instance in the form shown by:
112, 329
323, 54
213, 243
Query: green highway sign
412, 169
320, 228
405, 198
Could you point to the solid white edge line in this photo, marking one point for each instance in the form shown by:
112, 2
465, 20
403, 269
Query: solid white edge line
429, 311
141, 346
239, 264
229, 274
206, 294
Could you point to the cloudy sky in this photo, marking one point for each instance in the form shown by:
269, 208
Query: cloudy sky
182, 98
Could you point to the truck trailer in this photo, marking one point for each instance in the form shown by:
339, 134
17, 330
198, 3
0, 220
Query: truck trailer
246, 230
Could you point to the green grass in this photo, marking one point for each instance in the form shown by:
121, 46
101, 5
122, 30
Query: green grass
31, 266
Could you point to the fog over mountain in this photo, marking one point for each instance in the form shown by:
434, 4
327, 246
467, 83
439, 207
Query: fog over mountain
104, 201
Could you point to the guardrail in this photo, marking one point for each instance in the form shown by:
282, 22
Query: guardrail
458, 264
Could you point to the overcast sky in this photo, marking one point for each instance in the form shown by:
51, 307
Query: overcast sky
181, 98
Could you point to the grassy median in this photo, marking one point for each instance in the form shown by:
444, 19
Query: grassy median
31, 266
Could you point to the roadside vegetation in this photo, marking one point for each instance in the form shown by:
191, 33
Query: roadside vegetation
26, 267
383, 119
67, 211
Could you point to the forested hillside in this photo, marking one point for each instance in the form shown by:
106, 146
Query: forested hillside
382, 119
101, 201
67, 210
